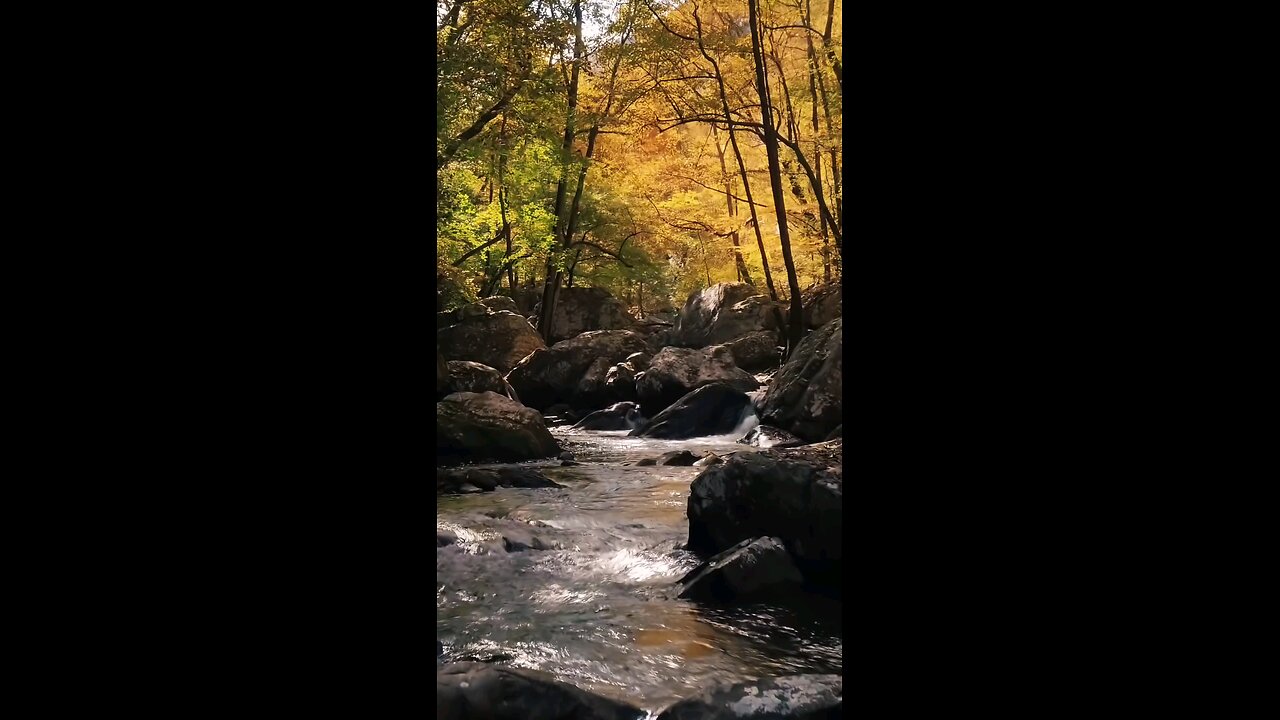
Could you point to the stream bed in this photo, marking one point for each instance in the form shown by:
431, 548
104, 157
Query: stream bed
600, 611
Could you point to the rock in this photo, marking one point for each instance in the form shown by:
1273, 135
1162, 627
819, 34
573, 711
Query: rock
646, 461
723, 313
468, 489
450, 481
554, 375
789, 697
445, 537
675, 372
518, 541
805, 397
467, 376
679, 458
754, 569
500, 303
620, 382
525, 477
566, 455
793, 495
526, 299
477, 691
488, 426
580, 310
768, 436
619, 416
821, 305
639, 361
710, 459
442, 376
439, 649
755, 351
837, 433
497, 339
714, 409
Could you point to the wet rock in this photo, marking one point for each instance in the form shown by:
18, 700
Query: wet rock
468, 489
679, 458
467, 376
710, 459
793, 495
573, 371
646, 461
756, 351
768, 436
675, 372
789, 697
518, 541
714, 409
445, 537
619, 416
837, 433
488, 426
451, 480
725, 312
566, 455
754, 569
497, 339
580, 310
524, 477
821, 304
476, 691
806, 396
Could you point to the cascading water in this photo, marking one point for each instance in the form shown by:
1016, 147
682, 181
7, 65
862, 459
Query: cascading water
599, 610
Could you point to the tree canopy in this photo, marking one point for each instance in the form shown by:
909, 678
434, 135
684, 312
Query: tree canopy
649, 147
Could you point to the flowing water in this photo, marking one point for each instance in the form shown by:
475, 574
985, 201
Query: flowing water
601, 612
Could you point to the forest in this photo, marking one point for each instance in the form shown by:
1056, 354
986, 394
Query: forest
639, 359
648, 148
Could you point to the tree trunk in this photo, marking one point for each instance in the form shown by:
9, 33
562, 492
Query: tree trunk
743, 274
794, 324
742, 167
551, 289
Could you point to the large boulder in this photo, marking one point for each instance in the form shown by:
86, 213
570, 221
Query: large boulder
498, 303
573, 371
675, 372
757, 569
768, 436
821, 304
619, 416
755, 351
498, 339
580, 310
488, 426
478, 691
793, 495
715, 409
725, 312
806, 395
789, 697
467, 376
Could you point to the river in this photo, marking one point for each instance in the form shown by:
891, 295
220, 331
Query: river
601, 611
